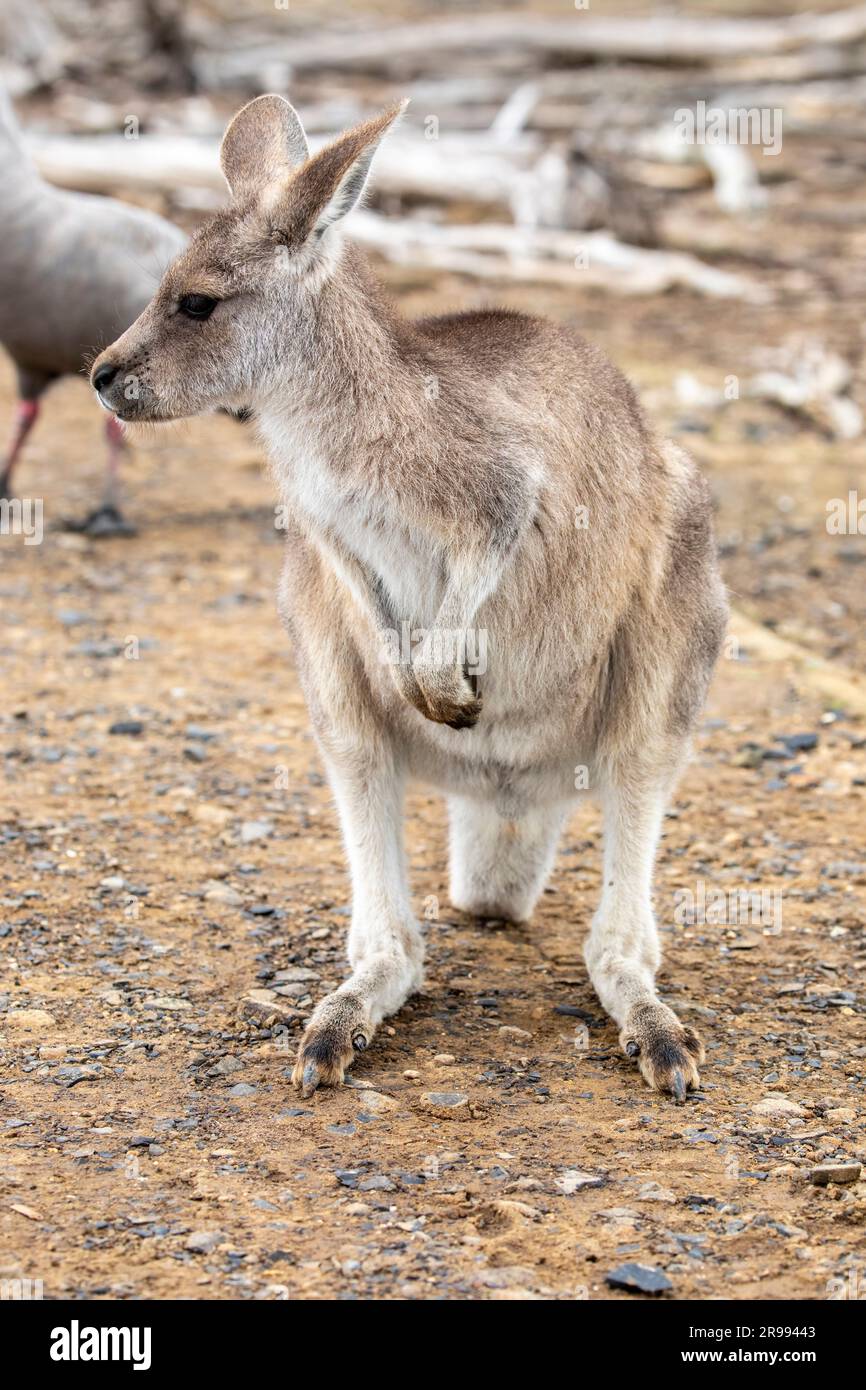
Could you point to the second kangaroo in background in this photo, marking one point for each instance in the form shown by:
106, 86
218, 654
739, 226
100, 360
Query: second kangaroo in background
497, 579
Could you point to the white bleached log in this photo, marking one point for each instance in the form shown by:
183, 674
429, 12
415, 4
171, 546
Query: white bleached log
662, 38
541, 255
471, 166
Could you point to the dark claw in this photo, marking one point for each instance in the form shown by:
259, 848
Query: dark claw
632, 1048
678, 1087
359, 1042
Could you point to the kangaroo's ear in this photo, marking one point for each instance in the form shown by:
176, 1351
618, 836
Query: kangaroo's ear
331, 183
264, 141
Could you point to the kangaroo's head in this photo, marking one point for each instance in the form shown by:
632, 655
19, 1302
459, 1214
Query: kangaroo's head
223, 329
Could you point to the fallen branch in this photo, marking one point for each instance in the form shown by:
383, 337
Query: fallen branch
541, 255
536, 185
803, 377
474, 167
524, 252
663, 38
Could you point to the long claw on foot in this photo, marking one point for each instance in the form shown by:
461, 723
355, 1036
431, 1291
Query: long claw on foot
339, 1029
667, 1052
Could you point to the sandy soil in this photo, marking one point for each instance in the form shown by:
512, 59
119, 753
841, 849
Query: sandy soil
173, 900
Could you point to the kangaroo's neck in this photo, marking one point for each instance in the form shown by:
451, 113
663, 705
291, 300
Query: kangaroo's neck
356, 384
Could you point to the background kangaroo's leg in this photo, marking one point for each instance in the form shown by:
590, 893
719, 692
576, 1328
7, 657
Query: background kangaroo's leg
26, 412
384, 945
500, 865
622, 950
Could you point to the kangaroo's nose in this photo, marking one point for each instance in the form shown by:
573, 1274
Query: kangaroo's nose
103, 377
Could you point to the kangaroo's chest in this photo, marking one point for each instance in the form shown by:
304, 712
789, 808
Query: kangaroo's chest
401, 559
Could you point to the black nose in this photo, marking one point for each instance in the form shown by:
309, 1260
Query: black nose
104, 377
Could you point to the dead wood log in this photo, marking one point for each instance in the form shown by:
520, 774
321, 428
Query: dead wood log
661, 38
542, 255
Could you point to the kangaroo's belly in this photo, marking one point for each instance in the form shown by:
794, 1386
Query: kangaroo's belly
513, 768
541, 685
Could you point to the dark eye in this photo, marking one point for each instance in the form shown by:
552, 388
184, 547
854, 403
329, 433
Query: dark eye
197, 306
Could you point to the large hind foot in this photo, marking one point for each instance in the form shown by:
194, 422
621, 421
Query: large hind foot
667, 1052
339, 1028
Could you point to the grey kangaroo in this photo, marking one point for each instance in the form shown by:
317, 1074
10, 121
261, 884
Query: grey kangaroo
75, 270
486, 482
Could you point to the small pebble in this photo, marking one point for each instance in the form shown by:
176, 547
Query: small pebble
203, 1242
635, 1278
445, 1102
835, 1172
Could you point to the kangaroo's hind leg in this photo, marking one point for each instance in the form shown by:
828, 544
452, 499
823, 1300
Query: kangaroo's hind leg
622, 950
499, 865
384, 945
367, 777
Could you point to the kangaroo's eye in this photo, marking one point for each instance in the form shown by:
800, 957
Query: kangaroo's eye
197, 306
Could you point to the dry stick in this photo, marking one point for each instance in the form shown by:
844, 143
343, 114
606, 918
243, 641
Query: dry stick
837, 685
665, 38
464, 166
546, 255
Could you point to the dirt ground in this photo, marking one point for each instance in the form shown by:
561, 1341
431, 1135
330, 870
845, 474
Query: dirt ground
166, 893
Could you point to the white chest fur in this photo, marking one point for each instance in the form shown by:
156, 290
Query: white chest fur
401, 558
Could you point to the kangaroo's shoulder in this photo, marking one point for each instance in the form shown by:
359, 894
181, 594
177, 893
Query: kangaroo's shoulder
489, 334
496, 336
478, 325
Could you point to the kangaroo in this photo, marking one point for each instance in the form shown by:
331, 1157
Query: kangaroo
496, 580
75, 270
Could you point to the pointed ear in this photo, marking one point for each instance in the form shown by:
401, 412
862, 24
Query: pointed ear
263, 142
331, 183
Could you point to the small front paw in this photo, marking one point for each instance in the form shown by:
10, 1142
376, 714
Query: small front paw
339, 1028
447, 696
667, 1052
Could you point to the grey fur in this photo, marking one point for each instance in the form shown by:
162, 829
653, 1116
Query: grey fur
439, 473
75, 269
